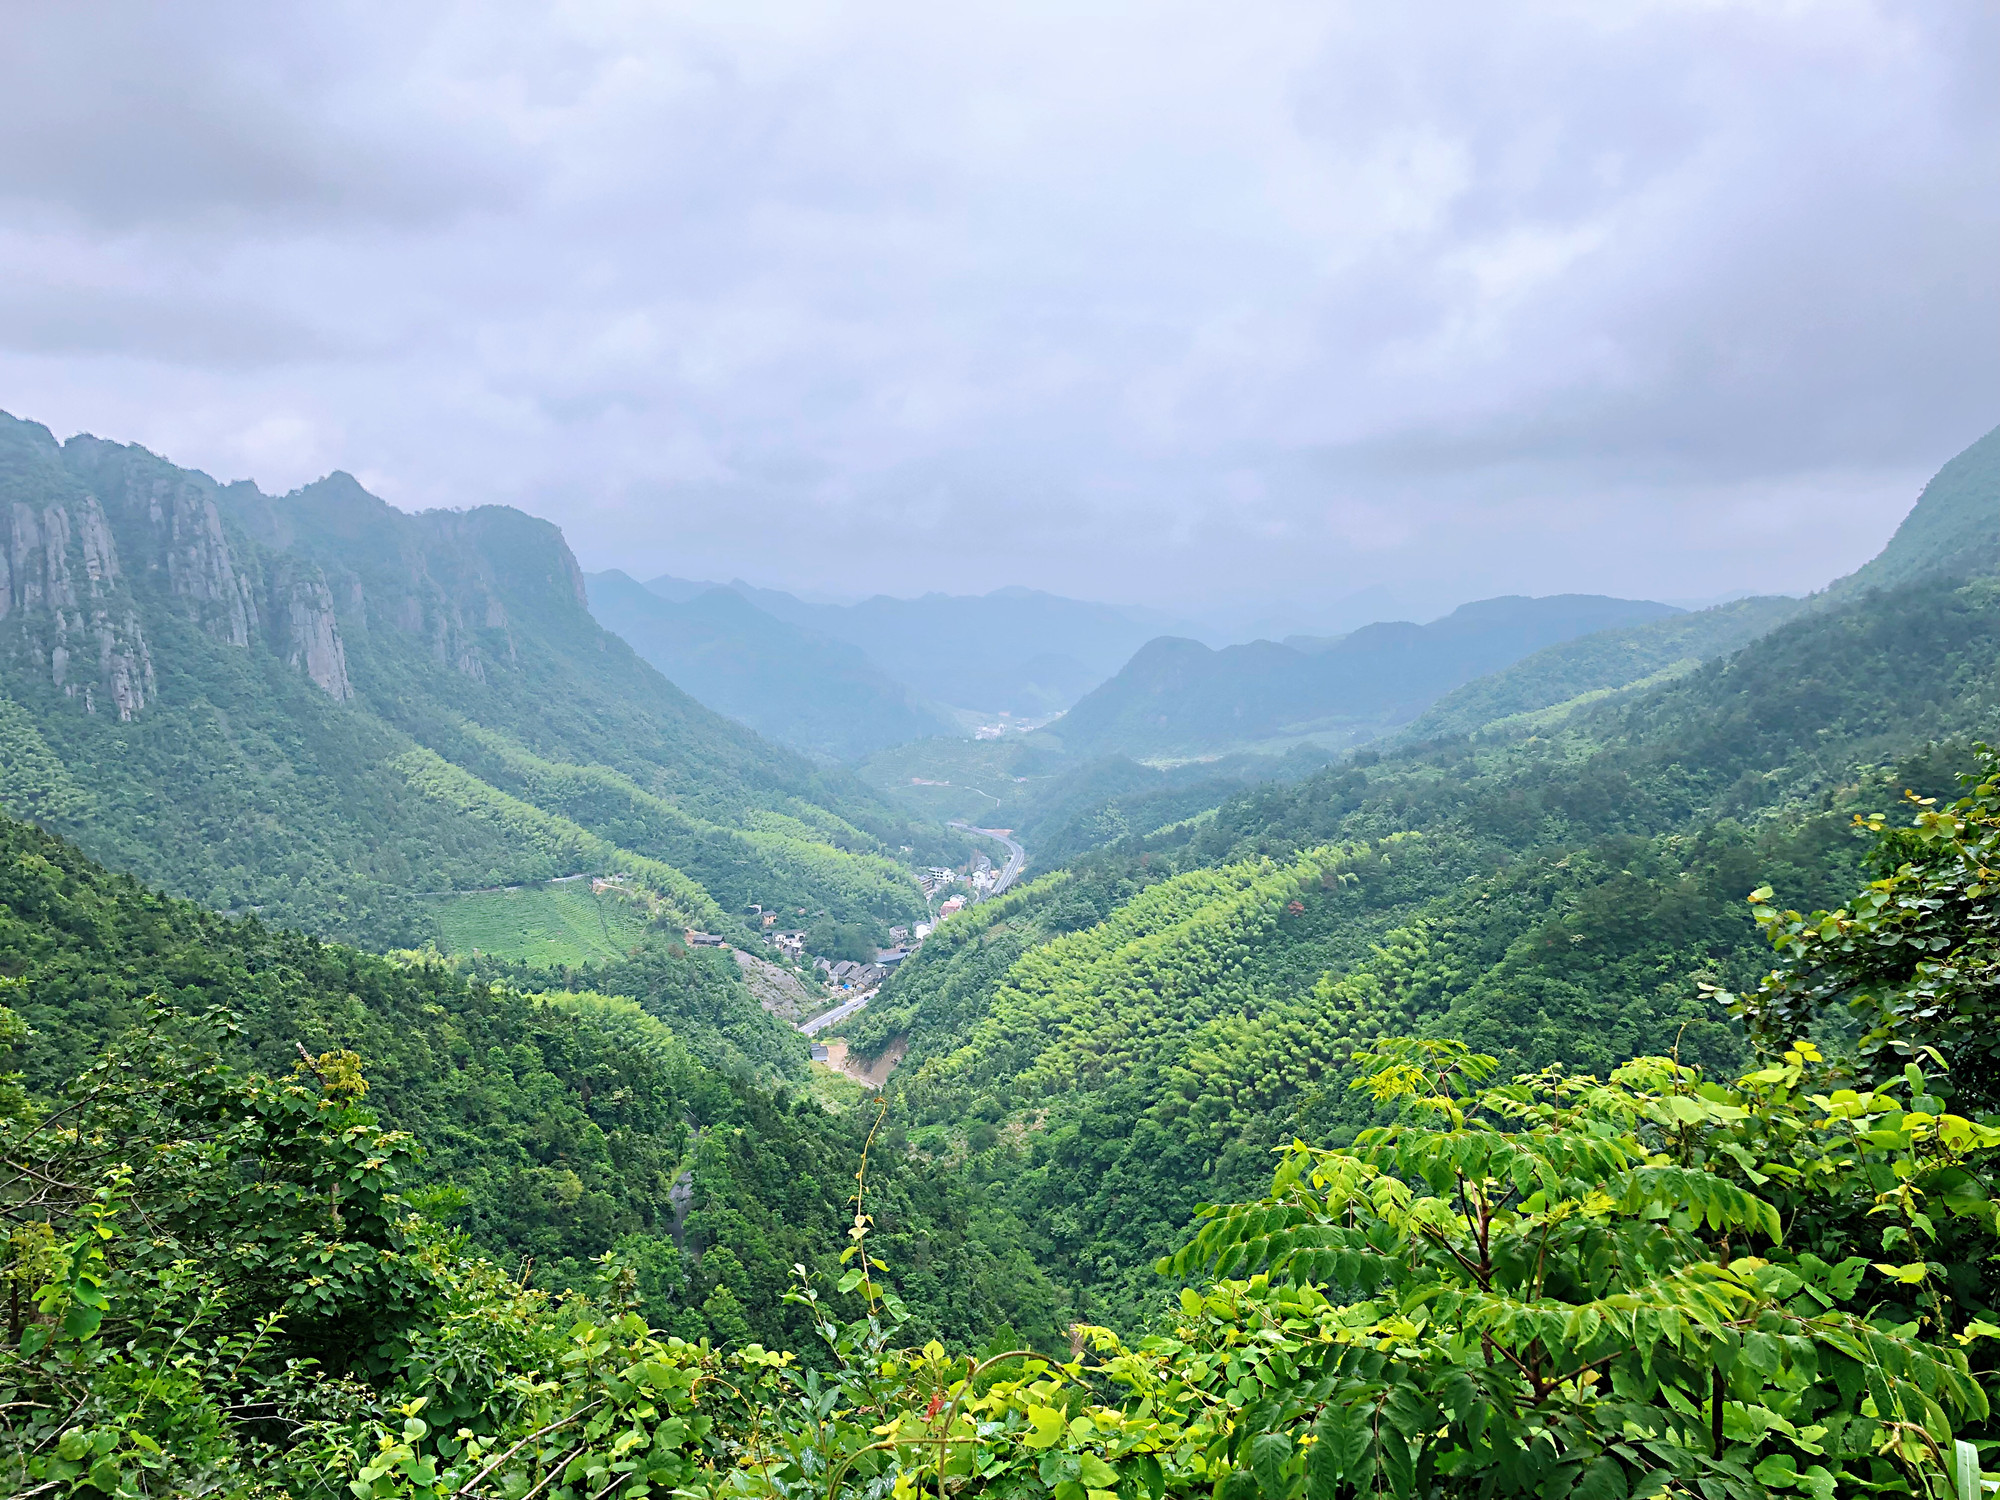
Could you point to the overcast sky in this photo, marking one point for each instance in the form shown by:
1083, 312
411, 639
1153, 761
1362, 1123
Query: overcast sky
1202, 306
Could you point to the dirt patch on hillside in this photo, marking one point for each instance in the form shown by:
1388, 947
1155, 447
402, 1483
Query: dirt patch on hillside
875, 1073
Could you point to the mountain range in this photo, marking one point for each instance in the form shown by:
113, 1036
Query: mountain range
1177, 696
318, 707
1016, 651
315, 703
849, 681
787, 681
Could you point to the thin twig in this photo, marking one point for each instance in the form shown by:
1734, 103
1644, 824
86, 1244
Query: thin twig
480, 1477
560, 1464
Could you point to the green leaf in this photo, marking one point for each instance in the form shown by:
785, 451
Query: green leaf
1269, 1453
1603, 1480
1778, 1472
1047, 1426
1095, 1472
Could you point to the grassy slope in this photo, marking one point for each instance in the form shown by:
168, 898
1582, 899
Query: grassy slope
550, 925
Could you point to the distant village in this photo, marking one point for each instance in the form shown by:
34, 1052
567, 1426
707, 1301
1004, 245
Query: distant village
979, 880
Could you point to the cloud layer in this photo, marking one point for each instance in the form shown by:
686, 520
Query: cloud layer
1197, 305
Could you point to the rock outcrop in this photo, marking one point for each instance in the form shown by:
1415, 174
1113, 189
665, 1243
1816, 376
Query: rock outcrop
60, 580
311, 631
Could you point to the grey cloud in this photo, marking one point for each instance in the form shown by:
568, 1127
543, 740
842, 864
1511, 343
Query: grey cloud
1166, 304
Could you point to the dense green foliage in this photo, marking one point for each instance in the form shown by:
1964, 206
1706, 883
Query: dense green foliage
1620, 1213
1556, 1285
555, 1126
1562, 897
317, 707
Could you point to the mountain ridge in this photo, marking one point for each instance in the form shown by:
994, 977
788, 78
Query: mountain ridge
787, 681
1178, 696
232, 684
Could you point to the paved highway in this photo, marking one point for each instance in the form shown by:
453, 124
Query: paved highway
838, 1013
1017, 857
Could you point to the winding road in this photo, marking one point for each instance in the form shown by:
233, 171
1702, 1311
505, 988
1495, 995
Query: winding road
1017, 857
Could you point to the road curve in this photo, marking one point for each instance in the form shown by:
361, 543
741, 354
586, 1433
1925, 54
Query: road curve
1017, 857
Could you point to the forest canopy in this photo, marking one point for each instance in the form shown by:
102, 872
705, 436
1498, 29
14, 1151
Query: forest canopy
1658, 1279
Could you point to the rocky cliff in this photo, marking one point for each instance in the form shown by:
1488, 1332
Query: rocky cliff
101, 537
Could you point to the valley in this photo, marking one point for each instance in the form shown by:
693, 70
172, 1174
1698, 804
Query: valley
383, 793
912, 752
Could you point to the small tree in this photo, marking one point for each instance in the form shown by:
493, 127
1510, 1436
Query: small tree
1916, 957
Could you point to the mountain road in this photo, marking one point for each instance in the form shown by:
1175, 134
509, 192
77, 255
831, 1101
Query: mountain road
1017, 857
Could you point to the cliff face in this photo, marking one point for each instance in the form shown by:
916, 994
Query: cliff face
311, 631
98, 539
70, 618
222, 691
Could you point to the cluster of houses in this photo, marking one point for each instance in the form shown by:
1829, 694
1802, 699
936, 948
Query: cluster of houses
847, 974
982, 879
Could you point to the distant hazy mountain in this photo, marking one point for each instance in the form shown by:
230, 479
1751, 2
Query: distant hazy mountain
1179, 697
1603, 662
785, 680
1015, 649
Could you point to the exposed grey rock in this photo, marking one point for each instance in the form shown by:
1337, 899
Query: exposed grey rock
312, 633
44, 556
200, 566
777, 990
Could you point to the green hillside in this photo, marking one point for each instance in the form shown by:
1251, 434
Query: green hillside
548, 925
245, 1282
1954, 528
1178, 698
316, 707
554, 1124
1160, 1013
1563, 675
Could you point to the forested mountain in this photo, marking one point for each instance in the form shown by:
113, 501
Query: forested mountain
1629, 1285
318, 707
1019, 650
1179, 697
1137, 1029
786, 681
1560, 677
556, 1123
1086, 1061
1953, 528
1165, 1009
